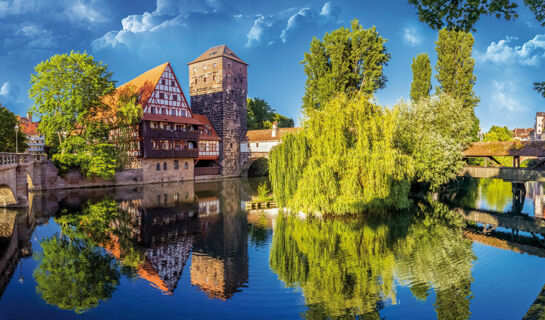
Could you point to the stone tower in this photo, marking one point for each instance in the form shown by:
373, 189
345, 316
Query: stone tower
218, 86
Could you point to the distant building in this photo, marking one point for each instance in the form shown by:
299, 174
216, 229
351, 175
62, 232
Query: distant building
538, 127
35, 140
263, 140
523, 134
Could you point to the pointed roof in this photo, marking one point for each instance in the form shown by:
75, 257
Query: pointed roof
218, 51
204, 120
146, 82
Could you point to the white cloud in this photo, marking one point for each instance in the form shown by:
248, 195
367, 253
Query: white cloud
270, 28
529, 53
5, 89
411, 37
504, 97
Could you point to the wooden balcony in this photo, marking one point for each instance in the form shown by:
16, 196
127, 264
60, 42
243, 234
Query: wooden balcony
193, 153
148, 132
206, 171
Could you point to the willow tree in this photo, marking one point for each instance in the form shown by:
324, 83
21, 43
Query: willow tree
346, 60
351, 163
421, 85
455, 70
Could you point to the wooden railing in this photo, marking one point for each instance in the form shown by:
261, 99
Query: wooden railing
206, 171
13, 158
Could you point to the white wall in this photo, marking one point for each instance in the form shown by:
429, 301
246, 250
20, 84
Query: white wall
257, 146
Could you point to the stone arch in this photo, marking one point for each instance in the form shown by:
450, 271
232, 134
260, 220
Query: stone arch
248, 163
7, 196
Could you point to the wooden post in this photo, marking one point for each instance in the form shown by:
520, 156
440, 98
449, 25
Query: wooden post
486, 162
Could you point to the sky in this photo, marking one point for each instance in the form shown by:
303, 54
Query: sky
132, 37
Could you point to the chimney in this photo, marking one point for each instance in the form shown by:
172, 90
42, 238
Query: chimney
29, 116
274, 131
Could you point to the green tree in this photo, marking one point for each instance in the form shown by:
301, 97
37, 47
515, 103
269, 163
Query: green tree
464, 14
498, 134
7, 132
435, 131
73, 274
421, 85
346, 60
261, 115
455, 70
344, 161
67, 91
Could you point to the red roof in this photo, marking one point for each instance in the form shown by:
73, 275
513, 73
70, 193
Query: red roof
28, 127
204, 120
266, 134
146, 82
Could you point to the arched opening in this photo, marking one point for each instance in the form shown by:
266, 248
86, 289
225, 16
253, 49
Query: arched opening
258, 167
7, 197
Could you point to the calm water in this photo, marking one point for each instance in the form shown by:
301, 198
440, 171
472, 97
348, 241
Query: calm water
190, 251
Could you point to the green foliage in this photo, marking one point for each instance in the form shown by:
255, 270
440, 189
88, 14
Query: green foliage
67, 91
343, 162
347, 268
263, 191
73, 274
455, 70
434, 131
538, 9
346, 60
498, 134
261, 115
462, 15
7, 132
540, 87
421, 85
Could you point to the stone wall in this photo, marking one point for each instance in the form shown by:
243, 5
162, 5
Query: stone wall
226, 109
163, 170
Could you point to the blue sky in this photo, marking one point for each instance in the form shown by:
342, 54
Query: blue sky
134, 36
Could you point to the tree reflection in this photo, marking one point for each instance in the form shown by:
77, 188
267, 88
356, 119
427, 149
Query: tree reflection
73, 274
347, 268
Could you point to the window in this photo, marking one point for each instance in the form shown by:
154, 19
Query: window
204, 79
194, 70
214, 78
215, 65
164, 166
186, 165
172, 83
176, 165
152, 110
257, 144
204, 68
228, 66
173, 112
196, 81
161, 95
175, 97
158, 166
163, 81
164, 111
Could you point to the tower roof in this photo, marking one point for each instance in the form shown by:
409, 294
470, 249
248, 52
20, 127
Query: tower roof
218, 51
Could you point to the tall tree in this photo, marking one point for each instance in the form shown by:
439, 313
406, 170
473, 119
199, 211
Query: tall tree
498, 134
421, 85
464, 14
455, 69
346, 60
67, 91
261, 115
7, 132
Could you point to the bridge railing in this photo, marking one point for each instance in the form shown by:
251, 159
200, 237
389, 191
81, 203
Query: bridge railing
13, 158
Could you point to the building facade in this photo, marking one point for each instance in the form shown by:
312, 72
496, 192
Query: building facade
218, 86
539, 126
35, 140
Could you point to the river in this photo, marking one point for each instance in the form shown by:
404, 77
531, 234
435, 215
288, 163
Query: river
186, 250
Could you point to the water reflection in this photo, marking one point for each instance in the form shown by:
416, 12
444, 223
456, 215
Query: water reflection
347, 268
194, 239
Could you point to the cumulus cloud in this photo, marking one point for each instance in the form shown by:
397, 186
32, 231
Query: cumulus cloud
169, 14
279, 26
504, 96
9, 91
504, 51
411, 37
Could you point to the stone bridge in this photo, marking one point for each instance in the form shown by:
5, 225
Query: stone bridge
17, 174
